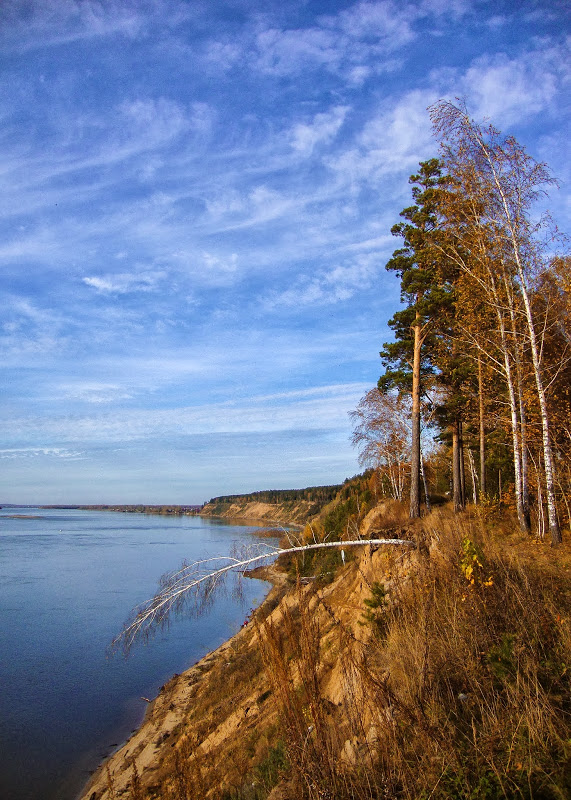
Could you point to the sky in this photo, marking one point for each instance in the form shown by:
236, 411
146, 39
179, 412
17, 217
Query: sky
195, 211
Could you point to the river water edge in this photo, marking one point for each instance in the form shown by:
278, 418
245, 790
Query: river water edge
68, 580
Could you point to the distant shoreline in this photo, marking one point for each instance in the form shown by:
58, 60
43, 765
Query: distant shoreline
165, 510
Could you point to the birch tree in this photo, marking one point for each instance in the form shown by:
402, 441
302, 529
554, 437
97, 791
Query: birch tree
193, 586
507, 182
381, 433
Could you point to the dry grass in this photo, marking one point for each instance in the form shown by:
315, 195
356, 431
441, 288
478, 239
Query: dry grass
463, 692
452, 681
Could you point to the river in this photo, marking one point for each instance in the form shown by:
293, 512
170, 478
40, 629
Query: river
68, 580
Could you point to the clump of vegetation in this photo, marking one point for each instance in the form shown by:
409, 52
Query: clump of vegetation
376, 607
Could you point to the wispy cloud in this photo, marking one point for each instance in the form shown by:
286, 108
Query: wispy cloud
321, 408
393, 140
94, 393
509, 89
39, 452
327, 286
61, 22
323, 128
195, 210
356, 42
123, 282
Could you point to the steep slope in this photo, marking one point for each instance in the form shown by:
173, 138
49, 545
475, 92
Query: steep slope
291, 506
438, 670
296, 513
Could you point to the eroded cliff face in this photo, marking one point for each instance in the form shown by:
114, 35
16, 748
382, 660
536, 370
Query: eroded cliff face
210, 729
293, 512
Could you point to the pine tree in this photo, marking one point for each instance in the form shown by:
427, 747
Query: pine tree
407, 359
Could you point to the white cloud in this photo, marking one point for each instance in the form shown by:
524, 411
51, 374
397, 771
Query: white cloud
290, 52
260, 205
392, 141
94, 392
327, 286
323, 129
220, 269
125, 282
63, 21
508, 90
14, 453
149, 122
355, 42
58, 22
29, 330
384, 21
223, 55
446, 8
321, 408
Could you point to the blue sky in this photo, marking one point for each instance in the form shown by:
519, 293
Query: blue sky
196, 206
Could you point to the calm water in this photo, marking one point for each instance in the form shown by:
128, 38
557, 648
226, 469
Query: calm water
68, 580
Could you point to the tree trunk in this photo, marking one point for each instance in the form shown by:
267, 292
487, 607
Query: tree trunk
461, 463
526, 517
423, 476
415, 444
482, 430
456, 487
548, 464
473, 476
513, 405
524, 462
516, 444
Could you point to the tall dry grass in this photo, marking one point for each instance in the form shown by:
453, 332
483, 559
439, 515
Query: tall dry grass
461, 691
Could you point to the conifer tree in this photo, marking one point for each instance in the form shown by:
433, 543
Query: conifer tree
407, 359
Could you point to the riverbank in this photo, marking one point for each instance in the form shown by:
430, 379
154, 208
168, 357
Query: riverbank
287, 513
367, 673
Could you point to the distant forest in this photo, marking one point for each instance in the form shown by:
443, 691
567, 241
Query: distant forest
313, 494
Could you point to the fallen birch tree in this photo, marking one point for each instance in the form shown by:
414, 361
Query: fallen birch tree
192, 587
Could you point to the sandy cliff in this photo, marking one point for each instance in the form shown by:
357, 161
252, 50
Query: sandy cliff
395, 672
293, 512
209, 727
